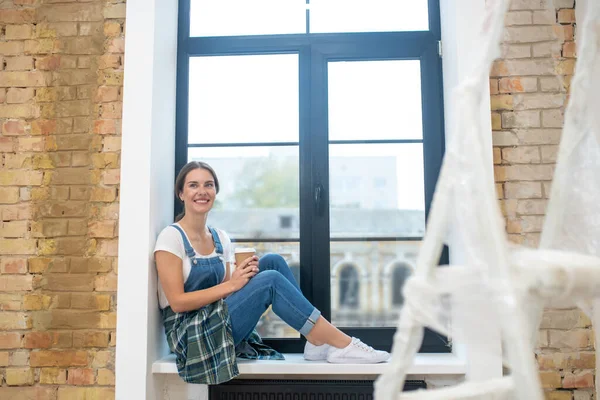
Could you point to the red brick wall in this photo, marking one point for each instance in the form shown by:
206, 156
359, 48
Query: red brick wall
61, 77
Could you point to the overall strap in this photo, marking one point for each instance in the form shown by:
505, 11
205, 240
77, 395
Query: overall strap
189, 250
218, 245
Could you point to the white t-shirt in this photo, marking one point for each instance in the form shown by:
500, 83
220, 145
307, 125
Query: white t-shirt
170, 240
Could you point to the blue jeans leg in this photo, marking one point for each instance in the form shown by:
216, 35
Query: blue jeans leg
275, 262
269, 288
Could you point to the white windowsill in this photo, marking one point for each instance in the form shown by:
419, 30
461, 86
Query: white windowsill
294, 364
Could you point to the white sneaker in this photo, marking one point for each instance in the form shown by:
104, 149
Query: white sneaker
357, 353
316, 353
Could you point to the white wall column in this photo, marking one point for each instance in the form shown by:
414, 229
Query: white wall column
147, 175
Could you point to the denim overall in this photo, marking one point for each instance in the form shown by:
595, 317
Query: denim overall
274, 285
202, 339
205, 272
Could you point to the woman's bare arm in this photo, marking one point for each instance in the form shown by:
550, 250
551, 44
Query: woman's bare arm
170, 273
227, 272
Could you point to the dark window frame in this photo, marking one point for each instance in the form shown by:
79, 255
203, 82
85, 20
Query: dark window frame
314, 51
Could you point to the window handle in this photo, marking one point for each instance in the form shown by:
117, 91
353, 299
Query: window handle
319, 199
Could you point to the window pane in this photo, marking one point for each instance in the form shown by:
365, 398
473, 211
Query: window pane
368, 16
367, 280
376, 190
259, 190
243, 17
258, 198
400, 273
243, 99
374, 100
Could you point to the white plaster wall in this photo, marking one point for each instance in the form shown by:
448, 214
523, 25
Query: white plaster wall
146, 203
174, 388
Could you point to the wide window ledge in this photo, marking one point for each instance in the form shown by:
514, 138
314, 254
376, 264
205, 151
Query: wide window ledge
294, 364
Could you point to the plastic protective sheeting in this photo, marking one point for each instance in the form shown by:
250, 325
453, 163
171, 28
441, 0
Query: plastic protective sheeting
502, 287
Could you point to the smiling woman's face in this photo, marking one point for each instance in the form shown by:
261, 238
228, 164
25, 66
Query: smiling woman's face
199, 191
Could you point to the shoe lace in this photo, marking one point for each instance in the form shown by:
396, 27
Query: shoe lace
364, 346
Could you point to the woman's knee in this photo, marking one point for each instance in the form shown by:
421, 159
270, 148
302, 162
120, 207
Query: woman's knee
272, 260
269, 278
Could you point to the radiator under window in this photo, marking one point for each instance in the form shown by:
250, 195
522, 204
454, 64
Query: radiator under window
258, 389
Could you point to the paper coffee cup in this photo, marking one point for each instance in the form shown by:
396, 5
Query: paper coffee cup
241, 253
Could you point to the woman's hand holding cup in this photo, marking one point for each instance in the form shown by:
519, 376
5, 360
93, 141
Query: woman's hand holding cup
246, 267
242, 255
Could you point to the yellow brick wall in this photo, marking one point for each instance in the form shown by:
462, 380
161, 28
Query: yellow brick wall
528, 104
61, 75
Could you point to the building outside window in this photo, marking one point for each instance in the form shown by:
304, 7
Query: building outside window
400, 274
349, 288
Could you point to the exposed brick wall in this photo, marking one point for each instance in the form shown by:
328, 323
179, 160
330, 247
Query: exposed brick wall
61, 79
528, 104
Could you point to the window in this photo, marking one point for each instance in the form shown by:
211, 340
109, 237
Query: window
349, 288
295, 267
328, 113
285, 221
400, 274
